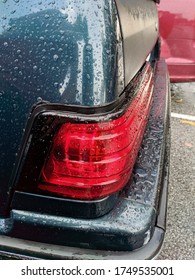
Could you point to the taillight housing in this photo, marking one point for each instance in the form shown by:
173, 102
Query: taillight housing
92, 160
86, 156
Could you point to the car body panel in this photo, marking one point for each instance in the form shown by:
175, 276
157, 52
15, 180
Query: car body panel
45, 56
58, 53
139, 26
55, 55
139, 215
177, 29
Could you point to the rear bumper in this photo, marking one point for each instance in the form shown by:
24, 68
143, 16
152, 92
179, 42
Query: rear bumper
134, 229
14, 248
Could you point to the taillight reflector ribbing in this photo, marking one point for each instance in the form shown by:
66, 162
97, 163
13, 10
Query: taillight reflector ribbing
90, 161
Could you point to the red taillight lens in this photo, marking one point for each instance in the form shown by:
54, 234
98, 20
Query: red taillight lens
90, 161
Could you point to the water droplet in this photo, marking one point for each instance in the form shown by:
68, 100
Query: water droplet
39, 99
89, 47
55, 57
35, 67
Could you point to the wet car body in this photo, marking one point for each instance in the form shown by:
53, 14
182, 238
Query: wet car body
177, 29
58, 65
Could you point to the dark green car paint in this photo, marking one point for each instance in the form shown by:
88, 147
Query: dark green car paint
65, 52
73, 53
137, 219
68, 52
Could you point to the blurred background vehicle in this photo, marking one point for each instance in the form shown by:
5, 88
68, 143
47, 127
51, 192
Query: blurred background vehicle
177, 29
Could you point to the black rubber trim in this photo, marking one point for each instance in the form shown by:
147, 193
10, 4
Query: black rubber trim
161, 219
62, 206
22, 249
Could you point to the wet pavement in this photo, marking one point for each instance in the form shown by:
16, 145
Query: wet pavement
180, 236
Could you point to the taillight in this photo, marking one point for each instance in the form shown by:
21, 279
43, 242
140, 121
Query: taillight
92, 160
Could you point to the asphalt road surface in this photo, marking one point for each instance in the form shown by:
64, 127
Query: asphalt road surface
180, 237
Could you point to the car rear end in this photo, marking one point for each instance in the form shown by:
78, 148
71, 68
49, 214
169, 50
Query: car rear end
85, 131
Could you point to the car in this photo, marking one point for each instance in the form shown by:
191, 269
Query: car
85, 130
177, 30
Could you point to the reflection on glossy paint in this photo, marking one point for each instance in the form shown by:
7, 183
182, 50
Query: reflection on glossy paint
62, 40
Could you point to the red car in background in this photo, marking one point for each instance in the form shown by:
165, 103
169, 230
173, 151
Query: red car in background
177, 29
